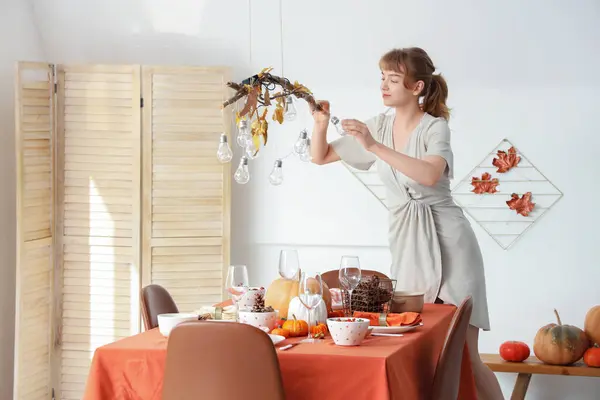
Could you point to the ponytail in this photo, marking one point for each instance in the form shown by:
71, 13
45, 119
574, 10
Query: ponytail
434, 101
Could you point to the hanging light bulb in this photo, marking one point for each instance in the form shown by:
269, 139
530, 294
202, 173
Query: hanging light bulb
242, 175
290, 109
224, 153
243, 135
338, 126
301, 144
251, 149
306, 156
276, 177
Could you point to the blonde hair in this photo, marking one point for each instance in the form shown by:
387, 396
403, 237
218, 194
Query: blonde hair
416, 65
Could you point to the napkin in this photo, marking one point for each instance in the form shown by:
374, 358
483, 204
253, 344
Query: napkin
402, 319
336, 299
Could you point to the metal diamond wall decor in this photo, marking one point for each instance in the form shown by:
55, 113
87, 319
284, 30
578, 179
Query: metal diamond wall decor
511, 178
370, 179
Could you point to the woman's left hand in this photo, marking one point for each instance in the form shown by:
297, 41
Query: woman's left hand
360, 131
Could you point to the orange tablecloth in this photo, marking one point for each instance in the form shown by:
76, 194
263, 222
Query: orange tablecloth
380, 368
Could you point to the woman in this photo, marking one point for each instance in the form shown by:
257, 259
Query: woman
433, 246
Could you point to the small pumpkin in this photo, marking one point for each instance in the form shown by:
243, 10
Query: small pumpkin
591, 357
592, 324
281, 332
559, 344
296, 327
514, 351
319, 330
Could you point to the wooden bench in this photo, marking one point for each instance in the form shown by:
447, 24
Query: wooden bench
534, 366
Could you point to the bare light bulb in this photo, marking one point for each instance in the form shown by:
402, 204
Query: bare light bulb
290, 109
224, 153
276, 177
251, 149
243, 135
242, 175
301, 144
338, 126
306, 156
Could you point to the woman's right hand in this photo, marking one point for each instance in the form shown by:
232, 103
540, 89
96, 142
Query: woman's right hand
321, 116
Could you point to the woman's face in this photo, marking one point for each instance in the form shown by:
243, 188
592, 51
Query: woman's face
393, 91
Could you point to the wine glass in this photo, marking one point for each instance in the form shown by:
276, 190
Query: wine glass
350, 275
288, 264
310, 294
236, 283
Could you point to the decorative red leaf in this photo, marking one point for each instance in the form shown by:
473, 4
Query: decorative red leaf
522, 205
506, 161
251, 101
485, 184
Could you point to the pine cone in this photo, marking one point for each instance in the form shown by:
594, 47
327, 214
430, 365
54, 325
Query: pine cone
259, 304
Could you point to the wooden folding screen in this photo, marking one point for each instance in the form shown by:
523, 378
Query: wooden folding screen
128, 168
34, 326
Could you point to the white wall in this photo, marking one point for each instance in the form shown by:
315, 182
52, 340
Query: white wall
19, 40
521, 70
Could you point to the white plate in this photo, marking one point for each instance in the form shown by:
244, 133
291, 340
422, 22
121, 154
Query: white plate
394, 329
276, 338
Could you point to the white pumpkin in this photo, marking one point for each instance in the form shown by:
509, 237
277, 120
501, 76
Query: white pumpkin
319, 314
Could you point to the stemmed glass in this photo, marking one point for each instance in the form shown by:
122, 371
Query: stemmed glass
237, 283
349, 275
310, 294
288, 264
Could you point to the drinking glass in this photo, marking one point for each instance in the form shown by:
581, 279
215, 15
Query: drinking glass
289, 264
350, 275
236, 283
310, 294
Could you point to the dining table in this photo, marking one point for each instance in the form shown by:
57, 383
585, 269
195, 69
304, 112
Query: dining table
380, 368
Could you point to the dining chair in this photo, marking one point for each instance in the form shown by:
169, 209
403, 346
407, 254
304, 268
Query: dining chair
446, 382
221, 360
156, 300
332, 278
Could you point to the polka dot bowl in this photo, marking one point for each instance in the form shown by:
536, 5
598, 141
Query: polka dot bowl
348, 331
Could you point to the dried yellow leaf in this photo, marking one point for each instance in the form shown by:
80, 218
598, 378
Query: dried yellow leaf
278, 113
301, 88
267, 97
265, 71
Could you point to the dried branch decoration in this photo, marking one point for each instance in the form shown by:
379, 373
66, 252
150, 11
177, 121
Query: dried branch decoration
258, 91
522, 205
485, 184
506, 161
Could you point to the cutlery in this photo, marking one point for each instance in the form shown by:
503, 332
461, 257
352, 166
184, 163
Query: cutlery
387, 334
289, 346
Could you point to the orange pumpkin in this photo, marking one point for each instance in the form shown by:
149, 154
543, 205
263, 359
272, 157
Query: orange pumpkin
591, 358
592, 324
281, 332
559, 344
296, 327
319, 330
282, 291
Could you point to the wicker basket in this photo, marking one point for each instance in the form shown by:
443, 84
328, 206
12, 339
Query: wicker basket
373, 294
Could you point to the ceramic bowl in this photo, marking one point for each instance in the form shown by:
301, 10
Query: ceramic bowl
166, 322
408, 302
247, 300
348, 331
259, 319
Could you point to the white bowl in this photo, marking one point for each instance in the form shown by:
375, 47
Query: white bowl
259, 319
166, 322
348, 333
248, 299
